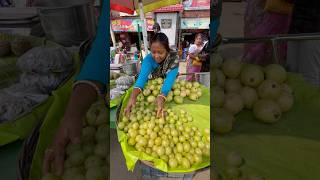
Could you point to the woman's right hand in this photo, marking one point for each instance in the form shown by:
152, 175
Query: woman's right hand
69, 131
130, 105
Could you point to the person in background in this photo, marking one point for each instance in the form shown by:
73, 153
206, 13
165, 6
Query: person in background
156, 28
125, 43
162, 62
260, 22
143, 53
194, 59
89, 85
304, 56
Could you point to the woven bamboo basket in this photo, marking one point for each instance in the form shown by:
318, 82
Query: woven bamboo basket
26, 154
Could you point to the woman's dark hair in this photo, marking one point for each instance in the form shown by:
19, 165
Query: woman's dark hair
162, 39
156, 26
199, 34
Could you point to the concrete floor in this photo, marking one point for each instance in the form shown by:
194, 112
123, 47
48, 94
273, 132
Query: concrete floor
118, 169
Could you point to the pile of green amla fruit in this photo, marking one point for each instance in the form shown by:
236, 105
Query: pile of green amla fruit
181, 89
235, 169
238, 86
87, 160
172, 138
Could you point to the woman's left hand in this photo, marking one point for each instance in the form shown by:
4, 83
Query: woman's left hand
204, 56
160, 104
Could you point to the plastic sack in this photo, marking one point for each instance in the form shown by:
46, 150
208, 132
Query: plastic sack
125, 80
114, 93
46, 60
19, 99
46, 83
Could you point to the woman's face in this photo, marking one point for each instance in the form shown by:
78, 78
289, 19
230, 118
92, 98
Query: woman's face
198, 40
158, 52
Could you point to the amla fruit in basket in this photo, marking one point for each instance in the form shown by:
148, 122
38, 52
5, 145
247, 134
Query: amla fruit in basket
276, 72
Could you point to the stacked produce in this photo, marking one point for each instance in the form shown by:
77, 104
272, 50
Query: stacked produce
239, 86
171, 138
43, 70
17, 46
123, 83
9, 73
236, 169
181, 89
88, 160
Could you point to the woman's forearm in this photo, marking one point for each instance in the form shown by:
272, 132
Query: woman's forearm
135, 92
192, 56
82, 97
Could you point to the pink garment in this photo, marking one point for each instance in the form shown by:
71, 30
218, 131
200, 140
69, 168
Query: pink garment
192, 69
195, 50
271, 24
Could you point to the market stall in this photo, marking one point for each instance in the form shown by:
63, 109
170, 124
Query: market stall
272, 132
25, 99
127, 64
190, 110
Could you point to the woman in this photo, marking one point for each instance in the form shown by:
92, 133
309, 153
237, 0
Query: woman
194, 59
260, 23
143, 53
162, 62
90, 83
156, 28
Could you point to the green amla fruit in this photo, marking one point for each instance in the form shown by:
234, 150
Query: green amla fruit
146, 92
276, 73
193, 96
222, 121
234, 159
151, 99
252, 75
285, 101
178, 99
269, 89
232, 68
267, 111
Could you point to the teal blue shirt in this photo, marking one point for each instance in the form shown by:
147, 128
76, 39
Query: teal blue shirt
96, 65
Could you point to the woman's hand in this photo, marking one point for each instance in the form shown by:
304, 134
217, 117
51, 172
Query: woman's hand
203, 57
69, 131
160, 105
132, 101
131, 104
70, 127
